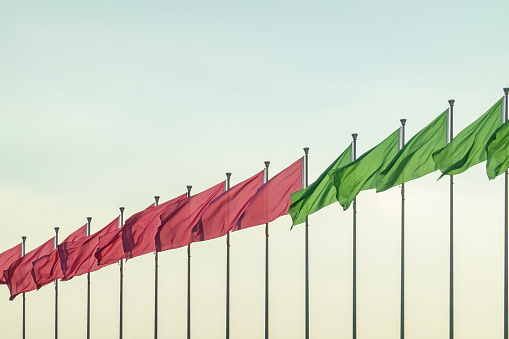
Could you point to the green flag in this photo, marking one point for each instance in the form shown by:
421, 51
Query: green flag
468, 148
363, 173
415, 160
498, 152
319, 194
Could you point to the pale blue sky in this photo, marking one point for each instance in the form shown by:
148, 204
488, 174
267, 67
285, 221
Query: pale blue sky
106, 104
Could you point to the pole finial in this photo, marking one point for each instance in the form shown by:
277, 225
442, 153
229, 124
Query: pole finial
267, 163
506, 90
156, 198
189, 187
306, 150
122, 209
24, 238
451, 102
89, 219
56, 229
354, 136
403, 122
228, 175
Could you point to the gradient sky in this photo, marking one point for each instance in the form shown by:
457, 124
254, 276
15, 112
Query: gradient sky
108, 103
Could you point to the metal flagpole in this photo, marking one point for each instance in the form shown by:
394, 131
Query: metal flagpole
89, 220
55, 244
451, 233
265, 179
228, 175
24, 238
189, 187
402, 320
306, 259
354, 250
506, 219
156, 280
120, 332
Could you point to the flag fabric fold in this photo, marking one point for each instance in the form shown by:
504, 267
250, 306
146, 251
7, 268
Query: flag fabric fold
497, 150
468, 148
319, 194
177, 223
415, 159
18, 276
7, 258
78, 257
272, 200
223, 213
363, 173
49, 268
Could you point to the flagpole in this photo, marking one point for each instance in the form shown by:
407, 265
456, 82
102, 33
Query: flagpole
265, 179
156, 279
89, 220
306, 163
354, 317
55, 244
402, 320
228, 175
506, 220
451, 233
23, 245
189, 187
121, 282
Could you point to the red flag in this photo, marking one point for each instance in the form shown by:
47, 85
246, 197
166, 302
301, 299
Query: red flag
78, 257
223, 213
140, 230
178, 222
7, 258
110, 249
48, 268
18, 276
273, 199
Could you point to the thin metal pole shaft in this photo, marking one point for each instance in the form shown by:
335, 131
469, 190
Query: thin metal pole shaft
189, 187
55, 245
228, 175
506, 221
306, 244
156, 281
402, 298
354, 254
451, 234
265, 179
121, 320
23, 246
89, 221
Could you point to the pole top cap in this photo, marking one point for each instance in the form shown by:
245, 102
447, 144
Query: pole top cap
306, 150
24, 238
267, 163
354, 136
122, 209
506, 90
228, 175
403, 121
56, 229
189, 188
89, 219
451, 102
156, 197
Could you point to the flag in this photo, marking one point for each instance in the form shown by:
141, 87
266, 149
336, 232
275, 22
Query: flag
78, 257
468, 148
319, 194
48, 268
140, 230
415, 160
7, 258
363, 173
497, 150
18, 276
272, 200
110, 249
223, 213
176, 224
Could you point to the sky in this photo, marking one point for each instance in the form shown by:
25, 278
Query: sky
106, 104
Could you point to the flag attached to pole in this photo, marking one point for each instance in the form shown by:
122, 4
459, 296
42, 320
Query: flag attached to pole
363, 173
468, 148
7, 258
415, 159
272, 200
319, 194
497, 150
